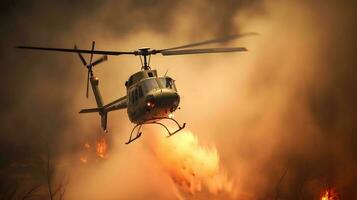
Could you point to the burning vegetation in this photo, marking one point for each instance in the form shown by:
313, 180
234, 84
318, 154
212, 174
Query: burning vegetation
329, 194
194, 168
94, 152
101, 147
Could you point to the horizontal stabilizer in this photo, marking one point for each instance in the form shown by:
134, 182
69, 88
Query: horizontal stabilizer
90, 110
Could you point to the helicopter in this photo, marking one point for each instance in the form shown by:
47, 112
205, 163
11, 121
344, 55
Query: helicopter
149, 98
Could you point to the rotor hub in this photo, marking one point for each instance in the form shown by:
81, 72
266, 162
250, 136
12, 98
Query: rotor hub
144, 53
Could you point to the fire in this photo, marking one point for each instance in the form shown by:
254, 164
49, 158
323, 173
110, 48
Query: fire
101, 147
329, 194
86, 145
193, 167
91, 153
83, 157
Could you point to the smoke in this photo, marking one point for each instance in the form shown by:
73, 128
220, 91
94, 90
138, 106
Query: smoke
280, 118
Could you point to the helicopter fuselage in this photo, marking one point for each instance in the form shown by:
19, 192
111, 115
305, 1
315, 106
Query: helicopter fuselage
150, 98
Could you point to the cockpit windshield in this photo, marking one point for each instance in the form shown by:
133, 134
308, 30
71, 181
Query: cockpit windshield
149, 84
167, 82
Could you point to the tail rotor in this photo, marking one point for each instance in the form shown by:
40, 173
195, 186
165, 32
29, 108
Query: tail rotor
90, 65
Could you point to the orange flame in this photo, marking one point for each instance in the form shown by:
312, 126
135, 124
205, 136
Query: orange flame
329, 194
193, 167
83, 157
101, 147
86, 145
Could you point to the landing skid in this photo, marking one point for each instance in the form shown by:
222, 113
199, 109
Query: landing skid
138, 133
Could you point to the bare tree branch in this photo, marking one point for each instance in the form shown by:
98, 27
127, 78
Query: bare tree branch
48, 172
278, 186
30, 193
59, 191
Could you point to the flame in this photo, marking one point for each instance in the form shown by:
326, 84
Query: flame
83, 157
87, 145
192, 167
101, 147
329, 194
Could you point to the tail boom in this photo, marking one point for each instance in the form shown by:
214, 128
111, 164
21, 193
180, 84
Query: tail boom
118, 104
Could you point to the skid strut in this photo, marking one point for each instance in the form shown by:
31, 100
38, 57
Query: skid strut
138, 133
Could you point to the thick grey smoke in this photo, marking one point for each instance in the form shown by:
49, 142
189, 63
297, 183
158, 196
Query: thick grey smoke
288, 106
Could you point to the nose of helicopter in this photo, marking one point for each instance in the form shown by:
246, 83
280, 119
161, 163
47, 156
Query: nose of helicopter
166, 99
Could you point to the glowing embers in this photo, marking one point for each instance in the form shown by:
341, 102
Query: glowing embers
329, 194
96, 151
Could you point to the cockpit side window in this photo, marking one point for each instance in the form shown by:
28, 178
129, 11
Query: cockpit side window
140, 89
131, 98
167, 82
172, 83
136, 94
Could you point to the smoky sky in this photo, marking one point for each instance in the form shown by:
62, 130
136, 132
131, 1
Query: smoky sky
42, 92
46, 23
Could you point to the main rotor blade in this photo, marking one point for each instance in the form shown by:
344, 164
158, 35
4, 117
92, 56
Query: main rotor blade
100, 60
81, 57
91, 55
199, 51
212, 41
113, 53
